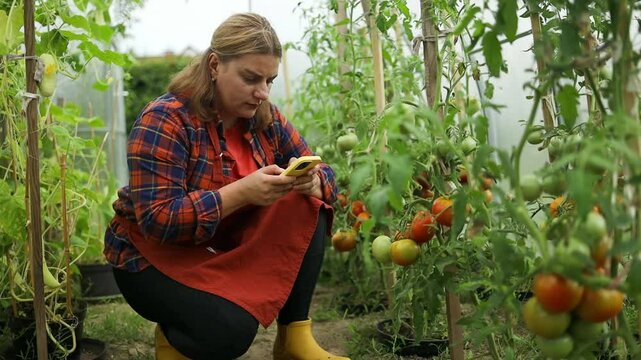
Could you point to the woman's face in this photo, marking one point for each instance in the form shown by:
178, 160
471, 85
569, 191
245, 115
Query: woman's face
242, 84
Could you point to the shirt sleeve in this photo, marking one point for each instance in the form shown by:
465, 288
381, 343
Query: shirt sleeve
291, 144
158, 156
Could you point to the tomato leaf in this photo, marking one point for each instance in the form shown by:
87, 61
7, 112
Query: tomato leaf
400, 171
634, 278
359, 177
568, 98
467, 17
492, 53
508, 19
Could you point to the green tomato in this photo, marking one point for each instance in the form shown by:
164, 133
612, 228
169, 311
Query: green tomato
442, 148
468, 145
586, 331
535, 137
381, 249
555, 147
543, 323
557, 348
554, 184
530, 187
595, 225
346, 142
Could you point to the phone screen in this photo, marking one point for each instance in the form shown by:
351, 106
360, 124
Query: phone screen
302, 165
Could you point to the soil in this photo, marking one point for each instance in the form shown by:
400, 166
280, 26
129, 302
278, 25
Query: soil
333, 335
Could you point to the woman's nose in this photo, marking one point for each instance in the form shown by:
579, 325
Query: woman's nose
262, 92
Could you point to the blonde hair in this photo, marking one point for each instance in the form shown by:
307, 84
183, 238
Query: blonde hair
240, 34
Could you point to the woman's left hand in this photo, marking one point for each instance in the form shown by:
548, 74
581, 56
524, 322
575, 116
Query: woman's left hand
310, 183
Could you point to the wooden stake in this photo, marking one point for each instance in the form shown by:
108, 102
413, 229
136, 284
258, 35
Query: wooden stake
430, 54
377, 54
33, 177
547, 100
431, 62
343, 66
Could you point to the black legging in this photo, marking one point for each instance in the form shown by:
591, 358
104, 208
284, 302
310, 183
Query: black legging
204, 326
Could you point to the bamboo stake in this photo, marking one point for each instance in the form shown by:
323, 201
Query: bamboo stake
377, 54
33, 177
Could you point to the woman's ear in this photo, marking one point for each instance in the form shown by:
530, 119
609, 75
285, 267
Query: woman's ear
214, 64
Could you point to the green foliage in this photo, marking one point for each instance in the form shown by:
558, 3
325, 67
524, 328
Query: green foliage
146, 80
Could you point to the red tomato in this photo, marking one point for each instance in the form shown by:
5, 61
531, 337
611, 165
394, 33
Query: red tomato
543, 323
599, 305
556, 293
442, 209
462, 175
344, 240
342, 200
405, 252
423, 179
423, 227
358, 207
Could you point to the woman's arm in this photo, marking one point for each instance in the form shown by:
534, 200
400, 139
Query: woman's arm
158, 155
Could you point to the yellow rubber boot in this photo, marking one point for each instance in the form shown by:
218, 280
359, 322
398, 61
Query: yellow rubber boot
164, 350
296, 342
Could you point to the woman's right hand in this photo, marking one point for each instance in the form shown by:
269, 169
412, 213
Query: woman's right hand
264, 186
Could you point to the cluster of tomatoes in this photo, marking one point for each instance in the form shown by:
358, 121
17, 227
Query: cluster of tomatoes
405, 248
563, 314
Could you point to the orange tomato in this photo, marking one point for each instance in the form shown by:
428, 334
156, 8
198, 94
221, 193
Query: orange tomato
599, 253
598, 305
404, 252
556, 293
342, 200
555, 204
488, 196
344, 240
442, 209
360, 219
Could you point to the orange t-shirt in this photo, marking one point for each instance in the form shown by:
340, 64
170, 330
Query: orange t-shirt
241, 150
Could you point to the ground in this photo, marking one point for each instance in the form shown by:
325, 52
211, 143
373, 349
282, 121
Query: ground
134, 340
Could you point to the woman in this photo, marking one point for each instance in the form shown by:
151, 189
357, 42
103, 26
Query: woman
208, 240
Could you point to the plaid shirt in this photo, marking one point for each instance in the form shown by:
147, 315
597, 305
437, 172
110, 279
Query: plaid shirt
176, 164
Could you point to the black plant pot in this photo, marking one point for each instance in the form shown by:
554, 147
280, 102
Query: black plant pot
23, 330
405, 343
90, 349
97, 282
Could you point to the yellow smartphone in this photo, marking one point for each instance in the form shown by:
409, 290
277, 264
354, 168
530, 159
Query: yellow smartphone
302, 165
